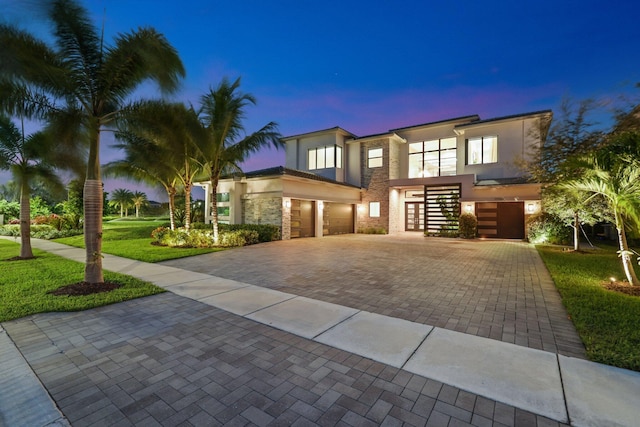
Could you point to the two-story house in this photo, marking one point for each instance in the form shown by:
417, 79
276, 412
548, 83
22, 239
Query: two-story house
412, 179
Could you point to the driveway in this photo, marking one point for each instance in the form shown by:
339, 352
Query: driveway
492, 288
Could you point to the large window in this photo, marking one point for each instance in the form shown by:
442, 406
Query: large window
482, 150
432, 158
325, 157
374, 158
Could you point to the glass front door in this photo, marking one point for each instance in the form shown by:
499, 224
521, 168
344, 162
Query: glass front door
414, 216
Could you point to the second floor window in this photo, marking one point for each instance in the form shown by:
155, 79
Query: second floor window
374, 158
432, 158
482, 150
325, 157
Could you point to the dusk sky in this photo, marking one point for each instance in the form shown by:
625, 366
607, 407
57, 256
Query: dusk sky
371, 66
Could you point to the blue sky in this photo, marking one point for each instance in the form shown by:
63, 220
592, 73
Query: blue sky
370, 66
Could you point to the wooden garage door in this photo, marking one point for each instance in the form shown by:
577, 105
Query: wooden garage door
504, 220
337, 219
302, 218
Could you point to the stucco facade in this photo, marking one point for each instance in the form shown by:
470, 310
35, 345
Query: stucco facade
408, 179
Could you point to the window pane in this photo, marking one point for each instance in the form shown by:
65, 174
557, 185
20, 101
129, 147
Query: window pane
375, 152
222, 197
474, 157
320, 158
431, 164
312, 159
330, 156
374, 209
375, 162
415, 147
338, 157
431, 145
415, 165
489, 149
447, 143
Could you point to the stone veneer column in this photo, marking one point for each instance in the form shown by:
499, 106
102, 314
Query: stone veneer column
285, 230
375, 181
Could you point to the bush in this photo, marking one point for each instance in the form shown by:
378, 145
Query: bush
372, 230
266, 232
468, 226
203, 238
543, 227
38, 231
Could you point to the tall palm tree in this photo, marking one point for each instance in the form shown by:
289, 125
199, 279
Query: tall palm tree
122, 198
90, 81
139, 199
619, 184
28, 158
226, 145
176, 132
144, 163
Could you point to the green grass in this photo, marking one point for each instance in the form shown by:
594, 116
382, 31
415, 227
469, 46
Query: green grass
24, 284
132, 239
608, 322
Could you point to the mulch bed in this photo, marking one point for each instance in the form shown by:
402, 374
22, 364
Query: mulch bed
622, 287
84, 288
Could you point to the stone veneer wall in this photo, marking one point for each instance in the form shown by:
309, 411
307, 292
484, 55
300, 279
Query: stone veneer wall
265, 210
376, 183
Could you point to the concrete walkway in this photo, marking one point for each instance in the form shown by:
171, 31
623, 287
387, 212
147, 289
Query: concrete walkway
545, 385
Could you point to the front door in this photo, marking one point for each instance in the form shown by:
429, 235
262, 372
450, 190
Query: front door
414, 216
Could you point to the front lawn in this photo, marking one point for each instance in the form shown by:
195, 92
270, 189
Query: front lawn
608, 322
132, 239
24, 284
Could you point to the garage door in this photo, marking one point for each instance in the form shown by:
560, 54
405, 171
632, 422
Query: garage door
504, 220
302, 218
337, 219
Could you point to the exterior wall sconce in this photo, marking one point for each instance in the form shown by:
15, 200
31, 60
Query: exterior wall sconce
320, 204
468, 208
531, 208
287, 204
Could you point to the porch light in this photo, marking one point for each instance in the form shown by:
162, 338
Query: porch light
531, 208
468, 208
320, 204
287, 204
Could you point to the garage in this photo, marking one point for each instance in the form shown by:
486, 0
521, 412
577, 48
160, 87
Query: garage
302, 218
501, 220
337, 218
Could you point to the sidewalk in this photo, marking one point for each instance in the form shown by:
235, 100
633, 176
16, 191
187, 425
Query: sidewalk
560, 388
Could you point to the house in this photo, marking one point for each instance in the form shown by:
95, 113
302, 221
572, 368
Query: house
412, 179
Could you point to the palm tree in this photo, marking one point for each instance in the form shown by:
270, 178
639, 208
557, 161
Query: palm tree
90, 81
619, 184
121, 197
143, 163
226, 145
27, 157
139, 199
174, 132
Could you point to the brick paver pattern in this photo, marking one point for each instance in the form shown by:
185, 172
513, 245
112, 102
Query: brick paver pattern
166, 360
494, 288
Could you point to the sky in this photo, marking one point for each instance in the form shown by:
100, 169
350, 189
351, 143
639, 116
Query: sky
370, 66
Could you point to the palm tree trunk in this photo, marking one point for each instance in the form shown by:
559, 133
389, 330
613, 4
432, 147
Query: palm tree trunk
121, 210
93, 231
625, 253
187, 207
137, 210
576, 232
25, 221
172, 208
214, 202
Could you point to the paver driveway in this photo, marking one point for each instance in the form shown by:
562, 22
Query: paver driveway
494, 288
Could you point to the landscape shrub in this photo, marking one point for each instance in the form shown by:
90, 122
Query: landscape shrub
266, 232
372, 230
468, 226
203, 238
543, 227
